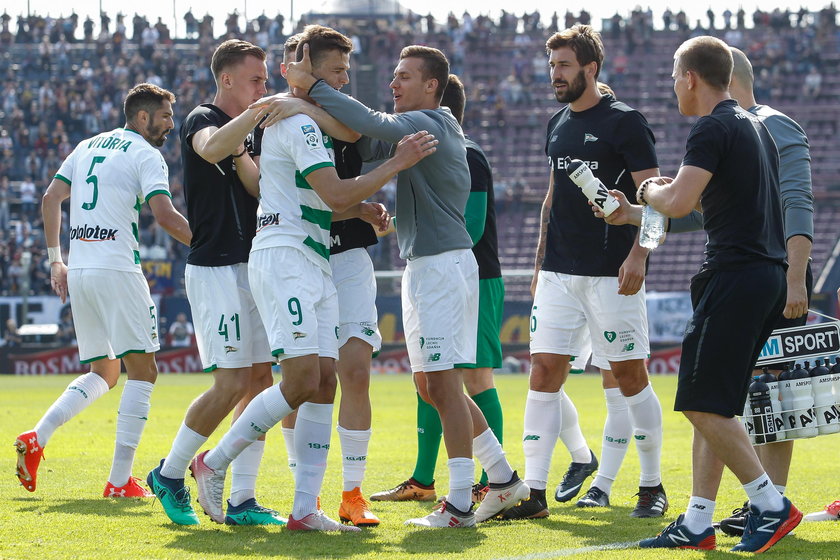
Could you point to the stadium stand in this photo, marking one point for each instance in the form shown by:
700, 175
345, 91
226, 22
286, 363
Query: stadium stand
61, 83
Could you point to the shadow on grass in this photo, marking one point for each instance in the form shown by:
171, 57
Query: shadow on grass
101, 507
274, 541
428, 542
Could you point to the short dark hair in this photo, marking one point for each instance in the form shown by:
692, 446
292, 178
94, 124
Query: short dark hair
709, 58
145, 97
321, 40
584, 41
291, 45
435, 65
233, 52
454, 97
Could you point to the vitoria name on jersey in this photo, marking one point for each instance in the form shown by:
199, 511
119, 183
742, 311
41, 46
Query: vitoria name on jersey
559, 163
93, 233
110, 143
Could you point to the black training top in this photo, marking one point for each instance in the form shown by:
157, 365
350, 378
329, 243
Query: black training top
614, 140
221, 213
352, 233
742, 209
486, 250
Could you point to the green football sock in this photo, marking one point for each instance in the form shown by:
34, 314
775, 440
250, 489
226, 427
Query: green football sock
489, 404
429, 434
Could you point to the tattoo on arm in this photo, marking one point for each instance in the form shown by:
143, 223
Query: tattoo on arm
545, 213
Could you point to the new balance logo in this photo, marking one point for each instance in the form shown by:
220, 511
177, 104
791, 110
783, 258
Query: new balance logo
678, 537
763, 484
768, 527
257, 428
531, 438
79, 389
698, 506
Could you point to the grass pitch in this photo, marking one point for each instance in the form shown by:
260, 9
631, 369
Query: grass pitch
67, 517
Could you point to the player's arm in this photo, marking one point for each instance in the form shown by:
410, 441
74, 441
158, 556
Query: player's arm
798, 207
373, 213
214, 144
248, 171
475, 213
56, 193
167, 216
678, 197
343, 194
383, 126
282, 106
631, 274
545, 215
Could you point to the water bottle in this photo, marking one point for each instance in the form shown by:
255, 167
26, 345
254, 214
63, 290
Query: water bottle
652, 229
775, 401
592, 187
835, 381
824, 403
786, 398
747, 419
761, 411
802, 405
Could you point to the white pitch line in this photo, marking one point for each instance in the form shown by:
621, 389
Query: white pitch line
572, 551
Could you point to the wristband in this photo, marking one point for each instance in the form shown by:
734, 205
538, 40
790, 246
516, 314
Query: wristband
641, 194
54, 255
240, 154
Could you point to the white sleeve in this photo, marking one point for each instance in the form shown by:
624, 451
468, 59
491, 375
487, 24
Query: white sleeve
306, 147
65, 172
153, 174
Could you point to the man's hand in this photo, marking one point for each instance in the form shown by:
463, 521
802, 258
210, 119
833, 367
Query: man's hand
414, 147
376, 215
797, 300
58, 279
646, 184
631, 275
626, 213
299, 74
276, 108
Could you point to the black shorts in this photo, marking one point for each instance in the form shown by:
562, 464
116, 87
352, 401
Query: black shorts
783, 323
734, 313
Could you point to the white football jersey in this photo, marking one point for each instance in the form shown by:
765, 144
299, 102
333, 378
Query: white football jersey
291, 214
110, 176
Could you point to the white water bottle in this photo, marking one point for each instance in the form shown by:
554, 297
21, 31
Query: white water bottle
803, 405
592, 187
778, 416
652, 229
824, 404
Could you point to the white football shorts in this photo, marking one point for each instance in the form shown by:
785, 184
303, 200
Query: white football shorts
113, 313
297, 301
352, 274
440, 310
569, 309
228, 329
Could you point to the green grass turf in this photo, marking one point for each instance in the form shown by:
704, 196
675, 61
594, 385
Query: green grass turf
68, 518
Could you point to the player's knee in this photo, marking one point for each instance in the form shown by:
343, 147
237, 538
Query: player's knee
547, 374
327, 385
355, 379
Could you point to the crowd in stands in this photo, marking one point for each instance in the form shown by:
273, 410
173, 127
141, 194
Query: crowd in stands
60, 83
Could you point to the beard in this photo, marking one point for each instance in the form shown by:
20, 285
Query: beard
156, 135
573, 90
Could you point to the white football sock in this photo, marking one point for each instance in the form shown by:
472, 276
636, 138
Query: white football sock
354, 449
780, 488
131, 419
312, 441
243, 471
461, 480
570, 434
264, 412
618, 431
184, 448
698, 516
543, 423
80, 393
491, 456
646, 415
763, 495
289, 440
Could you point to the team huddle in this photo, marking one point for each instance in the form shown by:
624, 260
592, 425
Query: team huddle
278, 272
